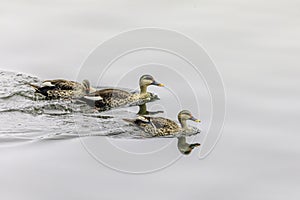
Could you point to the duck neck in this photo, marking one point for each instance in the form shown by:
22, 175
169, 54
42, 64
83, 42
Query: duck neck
143, 110
143, 89
183, 124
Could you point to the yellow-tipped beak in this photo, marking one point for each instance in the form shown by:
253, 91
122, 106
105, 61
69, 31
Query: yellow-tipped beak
157, 83
198, 120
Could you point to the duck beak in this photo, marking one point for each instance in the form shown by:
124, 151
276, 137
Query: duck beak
195, 120
158, 84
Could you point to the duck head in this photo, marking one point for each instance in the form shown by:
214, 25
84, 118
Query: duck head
147, 80
87, 86
185, 115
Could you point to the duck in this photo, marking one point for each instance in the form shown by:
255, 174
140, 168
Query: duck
113, 97
63, 89
184, 147
160, 126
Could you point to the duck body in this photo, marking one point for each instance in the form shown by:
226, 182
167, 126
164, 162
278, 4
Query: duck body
160, 126
113, 98
62, 89
55, 93
155, 126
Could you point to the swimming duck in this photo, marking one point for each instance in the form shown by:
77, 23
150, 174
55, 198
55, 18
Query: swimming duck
159, 126
63, 89
184, 147
112, 98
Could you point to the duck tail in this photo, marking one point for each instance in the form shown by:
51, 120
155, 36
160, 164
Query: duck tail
35, 87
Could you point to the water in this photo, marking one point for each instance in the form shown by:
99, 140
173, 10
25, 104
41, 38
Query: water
255, 45
37, 119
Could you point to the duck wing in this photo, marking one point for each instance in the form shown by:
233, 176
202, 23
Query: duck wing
164, 123
111, 93
141, 121
157, 126
42, 90
61, 84
107, 98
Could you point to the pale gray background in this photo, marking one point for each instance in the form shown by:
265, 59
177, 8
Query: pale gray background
255, 45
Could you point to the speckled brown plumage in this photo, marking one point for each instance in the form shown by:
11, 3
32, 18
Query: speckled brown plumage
113, 98
156, 126
64, 84
62, 89
159, 126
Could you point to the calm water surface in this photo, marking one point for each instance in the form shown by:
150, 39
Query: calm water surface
255, 45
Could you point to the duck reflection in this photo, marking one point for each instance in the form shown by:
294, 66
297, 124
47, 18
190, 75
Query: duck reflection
143, 110
184, 147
